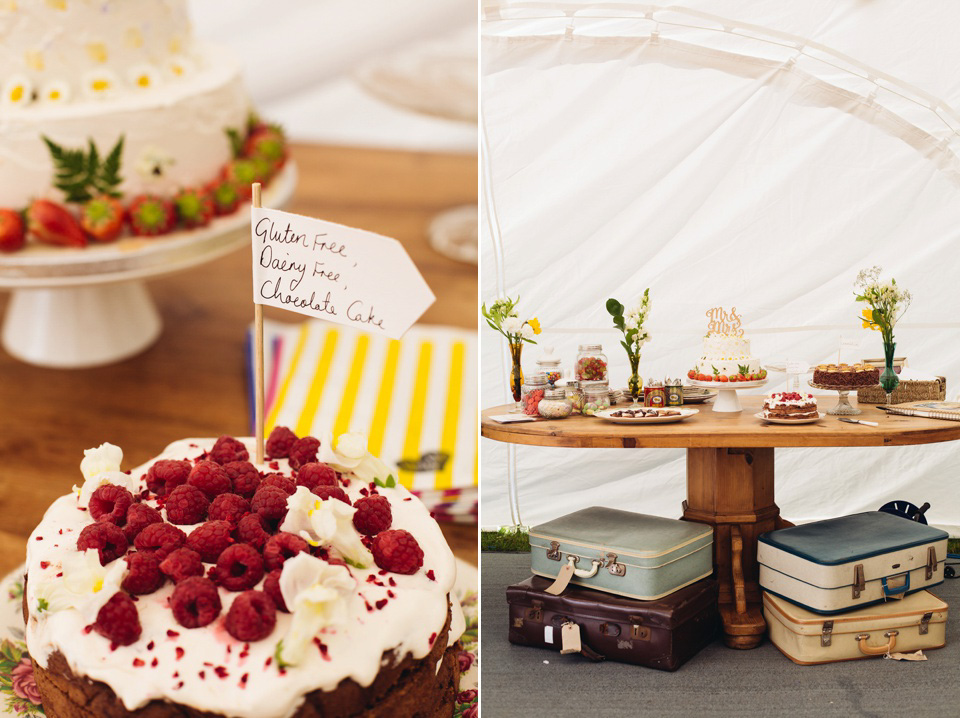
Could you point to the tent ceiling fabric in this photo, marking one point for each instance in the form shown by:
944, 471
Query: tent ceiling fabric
721, 170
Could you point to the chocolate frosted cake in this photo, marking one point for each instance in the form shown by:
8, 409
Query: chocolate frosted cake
201, 585
846, 375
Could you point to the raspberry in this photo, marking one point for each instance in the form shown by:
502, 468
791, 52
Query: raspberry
195, 602
271, 587
303, 451
104, 536
210, 478
166, 475
110, 503
279, 442
161, 538
270, 502
210, 539
186, 505
228, 507
373, 515
182, 563
331, 492
228, 449
239, 567
244, 476
251, 617
118, 621
143, 573
284, 483
252, 530
397, 551
280, 547
316, 474
139, 516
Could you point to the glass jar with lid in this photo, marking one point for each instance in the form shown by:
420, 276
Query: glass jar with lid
554, 404
596, 396
532, 392
549, 365
574, 396
591, 363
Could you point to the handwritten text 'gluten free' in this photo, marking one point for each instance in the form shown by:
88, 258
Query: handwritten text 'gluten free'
344, 275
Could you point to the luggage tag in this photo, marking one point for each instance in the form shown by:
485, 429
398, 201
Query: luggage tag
562, 581
570, 638
917, 656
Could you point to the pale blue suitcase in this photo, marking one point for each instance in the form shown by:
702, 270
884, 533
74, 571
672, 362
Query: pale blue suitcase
624, 553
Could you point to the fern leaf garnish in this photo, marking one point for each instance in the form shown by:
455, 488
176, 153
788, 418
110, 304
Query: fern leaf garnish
80, 175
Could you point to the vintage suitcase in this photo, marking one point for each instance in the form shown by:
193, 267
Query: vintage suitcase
633, 555
919, 621
852, 561
661, 634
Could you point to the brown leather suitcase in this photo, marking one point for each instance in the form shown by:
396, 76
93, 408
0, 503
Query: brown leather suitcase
664, 633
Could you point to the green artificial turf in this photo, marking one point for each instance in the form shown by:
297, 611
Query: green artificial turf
953, 545
505, 539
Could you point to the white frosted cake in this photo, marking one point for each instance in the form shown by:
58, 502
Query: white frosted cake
127, 83
198, 583
726, 357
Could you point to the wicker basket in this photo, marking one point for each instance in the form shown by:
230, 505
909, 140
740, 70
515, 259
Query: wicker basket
907, 390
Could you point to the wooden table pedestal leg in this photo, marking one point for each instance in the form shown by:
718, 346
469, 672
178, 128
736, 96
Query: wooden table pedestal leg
732, 490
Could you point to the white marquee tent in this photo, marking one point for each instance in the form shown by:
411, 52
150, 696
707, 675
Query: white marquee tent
743, 153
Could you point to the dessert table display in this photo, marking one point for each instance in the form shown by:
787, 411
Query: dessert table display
730, 478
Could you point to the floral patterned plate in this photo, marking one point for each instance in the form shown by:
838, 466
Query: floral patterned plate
18, 689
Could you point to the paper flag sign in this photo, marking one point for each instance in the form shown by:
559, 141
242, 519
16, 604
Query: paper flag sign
337, 273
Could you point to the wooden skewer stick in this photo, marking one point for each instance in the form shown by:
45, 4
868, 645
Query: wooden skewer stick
258, 357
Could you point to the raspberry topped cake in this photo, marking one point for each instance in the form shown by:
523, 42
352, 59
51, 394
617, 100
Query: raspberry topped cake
200, 584
790, 405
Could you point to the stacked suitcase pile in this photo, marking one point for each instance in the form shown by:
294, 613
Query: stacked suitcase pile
853, 587
617, 585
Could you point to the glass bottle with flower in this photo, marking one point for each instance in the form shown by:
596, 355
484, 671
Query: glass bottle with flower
887, 304
631, 322
502, 316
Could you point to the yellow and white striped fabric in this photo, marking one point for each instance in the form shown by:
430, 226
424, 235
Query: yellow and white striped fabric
415, 399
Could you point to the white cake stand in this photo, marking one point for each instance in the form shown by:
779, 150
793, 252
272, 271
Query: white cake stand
727, 399
74, 308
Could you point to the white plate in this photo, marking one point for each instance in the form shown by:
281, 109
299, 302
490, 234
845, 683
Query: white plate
18, 689
699, 398
684, 413
760, 416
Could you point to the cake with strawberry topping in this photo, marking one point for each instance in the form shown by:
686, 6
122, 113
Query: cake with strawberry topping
117, 121
726, 358
202, 584
790, 405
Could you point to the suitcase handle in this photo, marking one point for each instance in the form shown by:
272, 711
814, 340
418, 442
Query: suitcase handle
582, 572
887, 591
877, 650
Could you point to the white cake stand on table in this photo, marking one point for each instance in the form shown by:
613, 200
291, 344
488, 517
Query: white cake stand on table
727, 398
74, 308
843, 407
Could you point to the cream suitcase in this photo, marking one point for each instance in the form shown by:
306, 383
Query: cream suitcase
917, 621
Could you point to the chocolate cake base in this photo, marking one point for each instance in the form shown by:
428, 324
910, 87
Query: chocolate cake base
409, 689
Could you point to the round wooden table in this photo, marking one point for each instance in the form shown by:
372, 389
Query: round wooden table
729, 477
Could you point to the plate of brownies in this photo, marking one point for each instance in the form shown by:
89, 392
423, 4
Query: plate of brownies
646, 415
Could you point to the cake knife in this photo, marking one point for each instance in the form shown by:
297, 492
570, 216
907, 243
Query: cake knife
857, 421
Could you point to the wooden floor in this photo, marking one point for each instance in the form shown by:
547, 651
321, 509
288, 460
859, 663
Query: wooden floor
192, 382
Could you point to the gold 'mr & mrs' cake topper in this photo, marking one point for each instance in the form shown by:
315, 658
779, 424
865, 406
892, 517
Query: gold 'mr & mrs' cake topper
722, 322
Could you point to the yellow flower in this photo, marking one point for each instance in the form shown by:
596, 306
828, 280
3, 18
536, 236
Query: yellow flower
868, 320
534, 324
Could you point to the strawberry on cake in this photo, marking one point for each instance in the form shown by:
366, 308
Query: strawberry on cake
790, 405
202, 584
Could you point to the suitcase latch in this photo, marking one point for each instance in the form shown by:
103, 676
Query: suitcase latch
925, 623
554, 553
826, 636
617, 569
931, 562
638, 631
859, 583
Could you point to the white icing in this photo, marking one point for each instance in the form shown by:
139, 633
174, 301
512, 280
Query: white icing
407, 624
775, 400
726, 353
